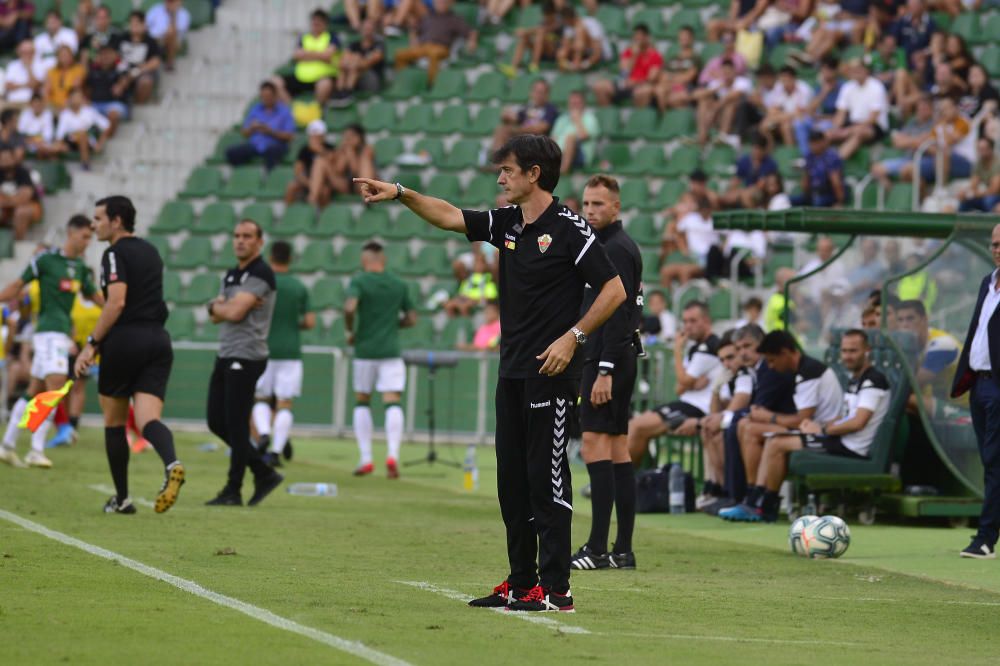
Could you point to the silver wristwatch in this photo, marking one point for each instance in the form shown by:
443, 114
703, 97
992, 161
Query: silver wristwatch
400, 191
581, 337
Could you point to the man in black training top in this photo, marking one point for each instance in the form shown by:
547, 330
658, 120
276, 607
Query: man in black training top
606, 391
136, 354
547, 255
244, 309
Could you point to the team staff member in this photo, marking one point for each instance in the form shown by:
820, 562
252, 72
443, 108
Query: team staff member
380, 304
282, 378
60, 275
979, 370
244, 309
136, 354
606, 390
547, 254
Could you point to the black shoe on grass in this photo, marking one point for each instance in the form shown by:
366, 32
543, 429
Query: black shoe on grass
622, 560
542, 600
502, 596
113, 506
263, 487
287, 451
226, 497
979, 550
587, 560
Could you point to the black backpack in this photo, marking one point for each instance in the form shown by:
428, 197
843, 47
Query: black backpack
652, 488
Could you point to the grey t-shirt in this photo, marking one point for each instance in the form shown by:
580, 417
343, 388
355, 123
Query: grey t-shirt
247, 339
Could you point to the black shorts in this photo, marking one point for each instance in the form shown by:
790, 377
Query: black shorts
611, 418
676, 412
296, 87
828, 444
135, 359
877, 137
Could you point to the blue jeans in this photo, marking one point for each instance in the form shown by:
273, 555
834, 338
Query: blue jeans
242, 153
984, 403
803, 126
983, 204
959, 167
814, 200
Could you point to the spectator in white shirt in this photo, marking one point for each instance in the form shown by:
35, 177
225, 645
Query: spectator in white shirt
789, 101
718, 100
75, 124
692, 234
168, 23
25, 75
49, 40
37, 126
581, 47
862, 111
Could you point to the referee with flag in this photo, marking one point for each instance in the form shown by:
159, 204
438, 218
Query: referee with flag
547, 255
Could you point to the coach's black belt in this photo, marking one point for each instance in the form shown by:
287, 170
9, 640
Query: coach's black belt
985, 374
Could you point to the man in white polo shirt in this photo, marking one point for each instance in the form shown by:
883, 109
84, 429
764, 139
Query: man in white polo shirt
862, 111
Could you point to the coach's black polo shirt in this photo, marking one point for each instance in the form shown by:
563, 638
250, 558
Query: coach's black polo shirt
136, 263
544, 267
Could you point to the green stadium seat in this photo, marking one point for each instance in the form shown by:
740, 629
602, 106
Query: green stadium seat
452, 120
224, 259
633, 193
202, 182
397, 256
411, 177
162, 246
317, 257
650, 267
564, 85
719, 304
675, 124
327, 294
900, 198
778, 55
261, 213
990, 60
433, 260
348, 259
227, 140
174, 216
685, 17
407, 84
967, 26
481, 191
276, 182
450, 83
243, 183
617, 155
372, 222
990, 31
527, 17
379, 116
654, 19
642, 229
858, 164
682, 161
520, 88
434, 148
485, 123
171, 286
387, 149
489, 86
338, 119
639, 124
612, 17
456, 330
52, 174
417, 118
786, 156
464, 154
194, 252
721, 161
609, 121
216, 218
670, 192
647, 161
294, 146
418, 336
201, 12
445, 186
407, 225
336, 219
202, 288
180, 324
298, 219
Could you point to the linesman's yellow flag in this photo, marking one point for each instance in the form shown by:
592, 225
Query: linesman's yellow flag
41, 406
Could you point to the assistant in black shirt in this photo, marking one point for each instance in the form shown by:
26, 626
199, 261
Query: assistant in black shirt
543, 269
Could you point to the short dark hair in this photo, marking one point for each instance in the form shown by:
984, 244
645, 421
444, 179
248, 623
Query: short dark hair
267, 85
686, 28
766, 70
36, 95
530, 150
358, 129
53, 12
913, 304
137, 13
255, 223
79, 222
758, 140
568, 12
373, 246
776, 342
699, 305
698, 176
320, 14
816, 135
7, 115
281, 252
728, 62
858, 333
103, 8
753, 331
121, 207
604, 180
788, 69
754, 302
727, 338
641, 27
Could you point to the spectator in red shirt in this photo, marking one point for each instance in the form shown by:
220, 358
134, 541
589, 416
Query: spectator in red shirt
640, 67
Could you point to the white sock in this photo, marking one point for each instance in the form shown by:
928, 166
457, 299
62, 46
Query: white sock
394, 429
261, 418
363, 431
38, 437
282, 426
10, 436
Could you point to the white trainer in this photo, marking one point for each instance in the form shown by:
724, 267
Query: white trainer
37, 459
9, 456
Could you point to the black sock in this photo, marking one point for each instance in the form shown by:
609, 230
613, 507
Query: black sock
624, 506
754, 495
75, 422
602, 496
162, 440
116, 446
769, 505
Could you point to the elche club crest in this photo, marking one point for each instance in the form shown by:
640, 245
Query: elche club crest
544, 241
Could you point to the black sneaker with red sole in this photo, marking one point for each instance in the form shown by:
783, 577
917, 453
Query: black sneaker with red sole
503, 595
543, 600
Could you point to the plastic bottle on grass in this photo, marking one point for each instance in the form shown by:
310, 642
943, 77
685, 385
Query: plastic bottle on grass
470, 480
676, 488
313, 489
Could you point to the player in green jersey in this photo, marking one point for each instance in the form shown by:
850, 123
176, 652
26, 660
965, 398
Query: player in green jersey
380, 303
282, 378
61, 274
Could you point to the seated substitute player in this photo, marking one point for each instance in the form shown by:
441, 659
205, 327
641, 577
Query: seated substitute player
609, 373
282, 378
850, 434
380, 302
696, 365
136, 354
730, 392
818, 397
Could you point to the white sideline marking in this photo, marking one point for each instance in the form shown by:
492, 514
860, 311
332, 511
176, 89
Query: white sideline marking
738, 639
527, 617
106, 489
355, 648
910, 601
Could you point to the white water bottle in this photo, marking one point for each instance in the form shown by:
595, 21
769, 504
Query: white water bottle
676, 487
313, 489
470, 480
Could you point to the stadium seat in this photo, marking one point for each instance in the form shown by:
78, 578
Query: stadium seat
988, 35
407, 84
719, 304
608, 120
654, 19
617, 156
786, 157
669, 193
432, 146
900, 198
464, 154
682, 161
379, 116
203, 182
261, 213
647, 161
162, 246
171, 286
180, 324
348, 259
634, 193
967, 26
411, 177
202, 288
685, 17
564, 85
417, 118
490, 85
194, 252
433, 260
485, 122
639, 124
174, 216
298, 219
243, 183
52, 174
990, 60
406, 226
452, 120
650, 267
227, 140
276, 182
201, 12
327, 293
397, 256
481, 191
218, 217
338, 119
317, 256
336, 219
675, 124
387, 149
642, 229
858, 164
294, 146
450, 83
372, 222
445, 186
418, 336
456, 330
612, 17
720, 161
224, 259
520, 89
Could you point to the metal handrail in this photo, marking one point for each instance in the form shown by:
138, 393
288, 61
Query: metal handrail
859, 190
